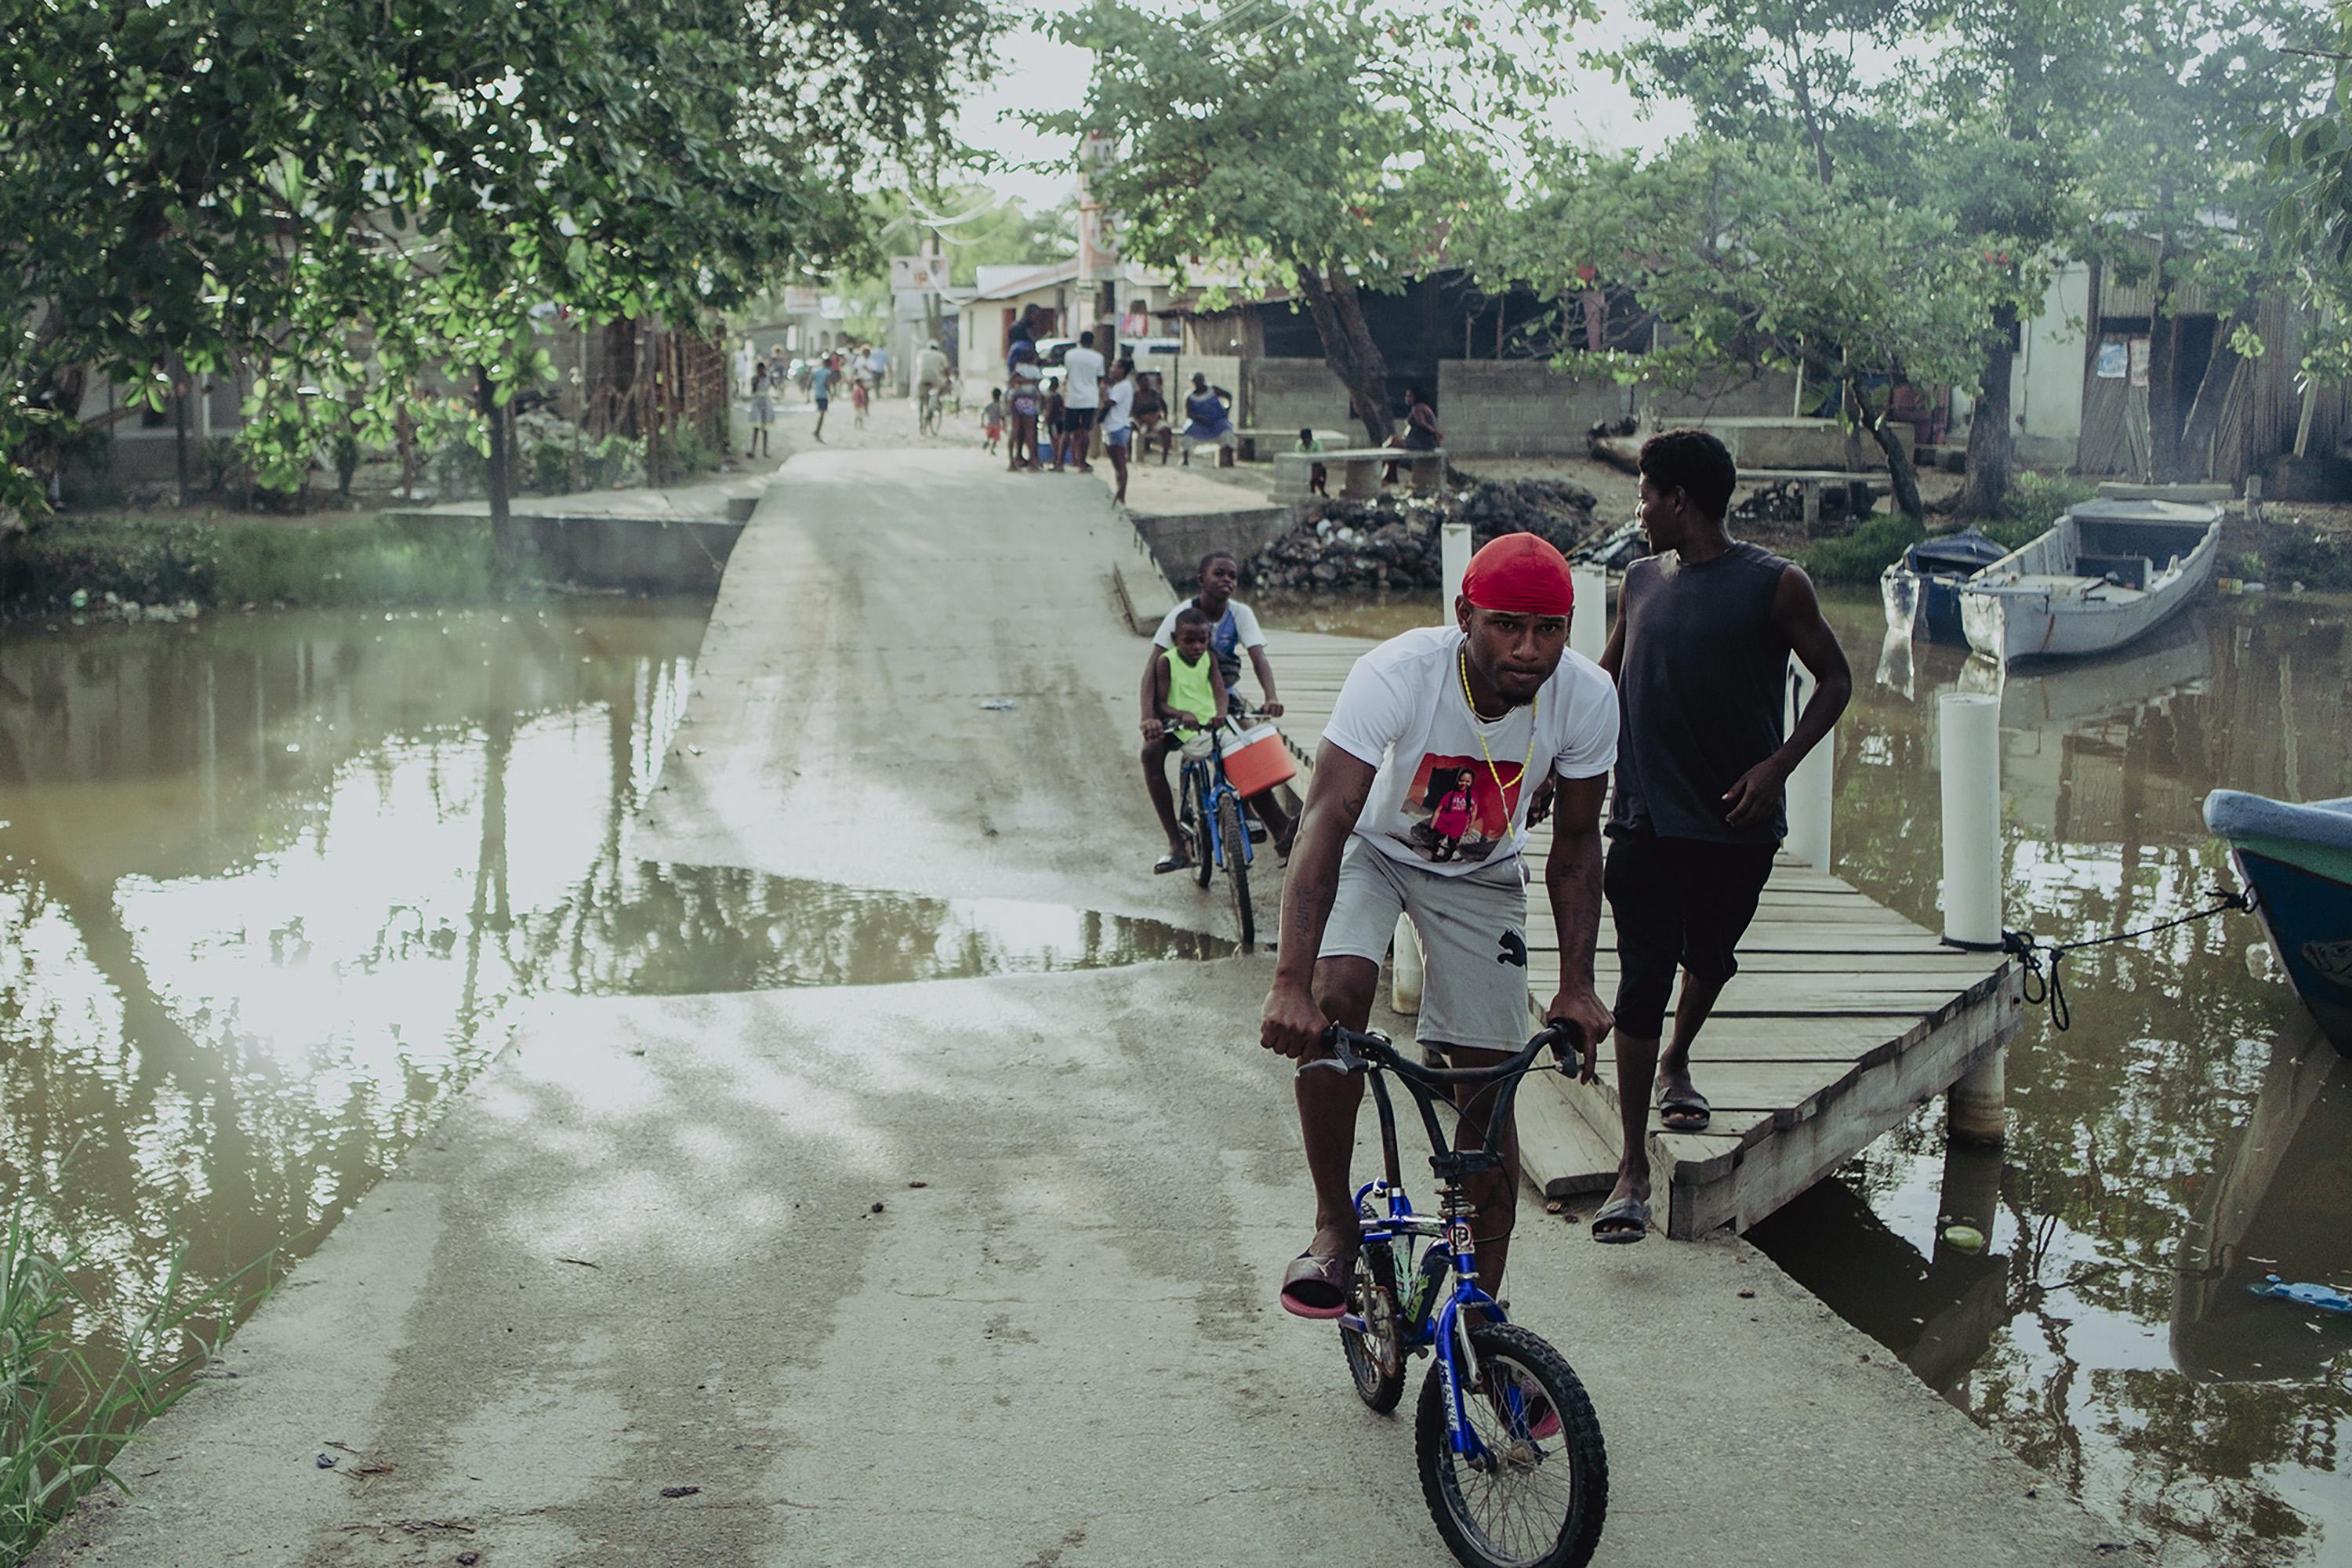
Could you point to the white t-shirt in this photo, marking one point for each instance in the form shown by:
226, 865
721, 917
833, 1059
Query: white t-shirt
1083, 369
1402, 710
1119, 407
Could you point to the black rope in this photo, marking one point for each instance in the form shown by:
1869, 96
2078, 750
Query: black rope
2047, 986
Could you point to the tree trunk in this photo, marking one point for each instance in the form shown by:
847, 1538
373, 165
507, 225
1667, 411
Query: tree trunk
1347, 346
1992, 443
1899, 471
505, 557
2163, 363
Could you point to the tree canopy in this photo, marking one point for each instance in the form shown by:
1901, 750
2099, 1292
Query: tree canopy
1320, 149
290, 182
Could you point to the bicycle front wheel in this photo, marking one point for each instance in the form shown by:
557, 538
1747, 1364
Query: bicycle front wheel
1533, 1485
1236, 849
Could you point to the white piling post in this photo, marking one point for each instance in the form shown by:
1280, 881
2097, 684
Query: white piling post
1405, 969
1970, 726
1813, 785
1454, 559
1587, 628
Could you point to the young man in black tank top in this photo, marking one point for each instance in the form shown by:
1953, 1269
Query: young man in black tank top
1699, 652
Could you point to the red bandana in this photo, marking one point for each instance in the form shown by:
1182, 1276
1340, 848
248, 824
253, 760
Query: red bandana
1520, 574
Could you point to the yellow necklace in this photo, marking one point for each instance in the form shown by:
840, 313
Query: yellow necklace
1462, 665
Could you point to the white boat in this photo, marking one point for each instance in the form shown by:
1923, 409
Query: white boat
2109, 571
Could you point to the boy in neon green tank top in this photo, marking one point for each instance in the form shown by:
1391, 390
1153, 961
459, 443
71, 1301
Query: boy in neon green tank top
1186, 689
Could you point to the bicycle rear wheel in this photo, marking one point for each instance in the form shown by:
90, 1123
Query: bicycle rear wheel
1236, 847
1205, 865
1534, 1488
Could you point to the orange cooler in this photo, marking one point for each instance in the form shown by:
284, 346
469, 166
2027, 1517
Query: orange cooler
1257, 759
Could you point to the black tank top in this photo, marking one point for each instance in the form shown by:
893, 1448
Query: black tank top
1702, 695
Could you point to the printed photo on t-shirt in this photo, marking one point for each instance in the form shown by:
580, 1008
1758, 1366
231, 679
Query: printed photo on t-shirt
1456, 809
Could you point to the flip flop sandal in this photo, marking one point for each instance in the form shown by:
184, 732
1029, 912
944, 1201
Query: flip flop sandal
1622, 1223
1683, 1110
1316, 1287
1168, 862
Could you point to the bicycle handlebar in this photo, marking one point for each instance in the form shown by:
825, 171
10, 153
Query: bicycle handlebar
1353, 1052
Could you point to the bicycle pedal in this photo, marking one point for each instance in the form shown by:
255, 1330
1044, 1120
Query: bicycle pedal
1258, 833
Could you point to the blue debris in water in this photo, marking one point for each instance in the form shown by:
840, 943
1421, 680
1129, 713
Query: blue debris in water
2319, 1296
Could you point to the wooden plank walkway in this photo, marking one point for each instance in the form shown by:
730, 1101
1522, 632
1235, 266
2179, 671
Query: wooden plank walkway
1843, 1017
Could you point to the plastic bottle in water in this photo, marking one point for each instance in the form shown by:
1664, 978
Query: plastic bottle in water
1423, 1290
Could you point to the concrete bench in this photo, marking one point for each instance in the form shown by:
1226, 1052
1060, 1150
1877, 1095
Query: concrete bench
1358, 469
1809, 482
1260, 443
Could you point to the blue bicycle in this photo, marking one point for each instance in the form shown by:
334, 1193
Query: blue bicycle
1209, 815
1512, 1463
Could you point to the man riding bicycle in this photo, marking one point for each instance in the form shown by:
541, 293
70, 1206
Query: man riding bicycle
1490, 697
931, 382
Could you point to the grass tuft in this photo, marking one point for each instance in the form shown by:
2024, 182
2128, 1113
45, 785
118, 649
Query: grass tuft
62, 1417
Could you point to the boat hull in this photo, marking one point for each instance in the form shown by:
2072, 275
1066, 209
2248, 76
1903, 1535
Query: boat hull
2073, 590
2309, 919
1922, 604
2297, 859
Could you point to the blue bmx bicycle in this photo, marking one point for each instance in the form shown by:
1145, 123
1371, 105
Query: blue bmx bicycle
1512, 1465
1209, 815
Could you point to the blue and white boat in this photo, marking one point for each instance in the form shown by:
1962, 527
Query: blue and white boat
2298, 861
1922, 591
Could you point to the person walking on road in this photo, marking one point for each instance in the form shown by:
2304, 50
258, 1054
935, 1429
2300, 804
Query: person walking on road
763, 412
821, 392
1082, 373
1118, 421
1501, 694
1700, 653
1022, 396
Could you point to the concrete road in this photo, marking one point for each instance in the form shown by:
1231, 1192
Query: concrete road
976, 1271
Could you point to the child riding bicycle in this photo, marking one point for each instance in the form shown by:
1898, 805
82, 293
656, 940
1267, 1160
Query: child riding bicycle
1186, 692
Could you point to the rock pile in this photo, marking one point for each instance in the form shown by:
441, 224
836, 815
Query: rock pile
1392, 542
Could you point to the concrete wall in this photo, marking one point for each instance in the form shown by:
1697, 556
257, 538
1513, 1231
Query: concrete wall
1770, 396
1178, 539
1512, 408
1297, 393
642, 555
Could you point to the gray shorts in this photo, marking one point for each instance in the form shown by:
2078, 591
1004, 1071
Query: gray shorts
1474, 941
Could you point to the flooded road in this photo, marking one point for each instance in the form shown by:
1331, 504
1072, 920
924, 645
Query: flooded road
272, 889
2188, 1134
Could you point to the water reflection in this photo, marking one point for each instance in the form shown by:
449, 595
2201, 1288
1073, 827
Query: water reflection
271, 889
2121, 1129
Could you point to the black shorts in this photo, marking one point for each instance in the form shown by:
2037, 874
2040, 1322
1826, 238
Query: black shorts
1677, 903
1078, 419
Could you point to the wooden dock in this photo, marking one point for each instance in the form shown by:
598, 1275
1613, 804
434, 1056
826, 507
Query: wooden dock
1844, 1017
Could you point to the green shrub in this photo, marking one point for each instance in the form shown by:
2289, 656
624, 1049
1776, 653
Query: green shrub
1861, 555
610, 461
168, 563
2314, 560
2035, 501
550, 468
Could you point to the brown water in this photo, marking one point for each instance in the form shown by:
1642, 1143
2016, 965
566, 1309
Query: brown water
273, 888
2189, 1131
2187, 1135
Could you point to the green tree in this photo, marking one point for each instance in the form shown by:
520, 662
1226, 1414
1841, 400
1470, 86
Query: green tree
2178, 184
1320, 151
1750, 259
347, 197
